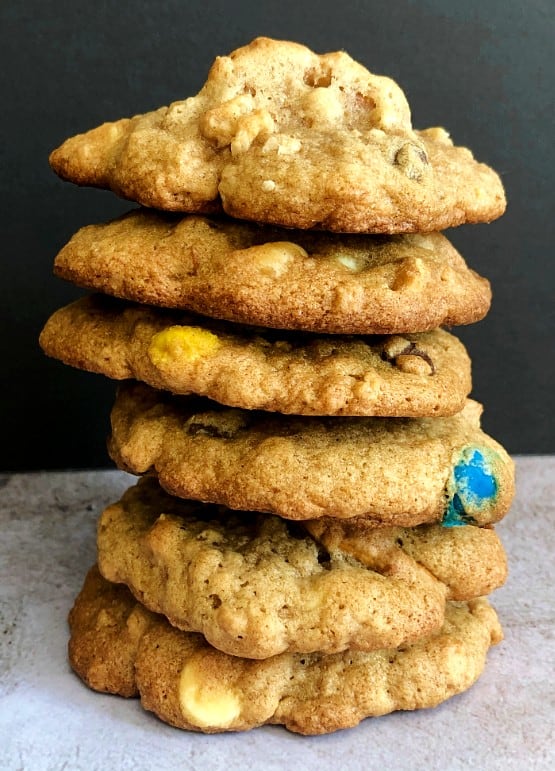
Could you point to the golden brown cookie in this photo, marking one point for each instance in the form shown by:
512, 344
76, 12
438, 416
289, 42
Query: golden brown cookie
118, 646
469, 560
411, 375
256, 585
241, 272
281, 135
397, 471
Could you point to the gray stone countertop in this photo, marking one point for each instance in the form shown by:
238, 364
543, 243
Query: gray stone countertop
50, 720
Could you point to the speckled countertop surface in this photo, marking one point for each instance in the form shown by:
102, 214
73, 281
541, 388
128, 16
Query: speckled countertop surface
50, 720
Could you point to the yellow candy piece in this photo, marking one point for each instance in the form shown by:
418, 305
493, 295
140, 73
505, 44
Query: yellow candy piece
182, 343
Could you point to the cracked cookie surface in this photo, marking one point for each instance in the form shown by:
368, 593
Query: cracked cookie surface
278, 278
120, 647
251, 368
397, 471
256, 585
281, 135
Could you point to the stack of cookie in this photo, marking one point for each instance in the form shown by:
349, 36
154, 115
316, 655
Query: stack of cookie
311, 543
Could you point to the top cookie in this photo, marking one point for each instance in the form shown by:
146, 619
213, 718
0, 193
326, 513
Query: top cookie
281, 135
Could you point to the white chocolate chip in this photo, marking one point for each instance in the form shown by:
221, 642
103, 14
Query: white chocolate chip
322, 106
273, 258
268, 185
206, 704
422, 241
270, 145
455, 666
355, 264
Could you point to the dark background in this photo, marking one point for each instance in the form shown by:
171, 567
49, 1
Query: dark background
483, 69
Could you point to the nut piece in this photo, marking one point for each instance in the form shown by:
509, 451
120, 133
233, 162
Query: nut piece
249, 127
412, 160
220, 123
203, 703
104, 619
137, 623
395, 346
407, 357
236, 123
410, 275
415, 363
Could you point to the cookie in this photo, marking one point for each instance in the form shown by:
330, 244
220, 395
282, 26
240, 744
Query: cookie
276, 278
412, 375
281, 135
469, 560
256, 585
397, 471
118, 646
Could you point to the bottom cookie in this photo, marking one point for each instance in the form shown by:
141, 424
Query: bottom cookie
119, 647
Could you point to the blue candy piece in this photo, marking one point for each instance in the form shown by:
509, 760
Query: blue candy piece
473, 483
455, 515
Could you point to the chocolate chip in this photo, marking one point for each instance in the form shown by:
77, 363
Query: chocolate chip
324, 558
412, 160
296, 530
196, 427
